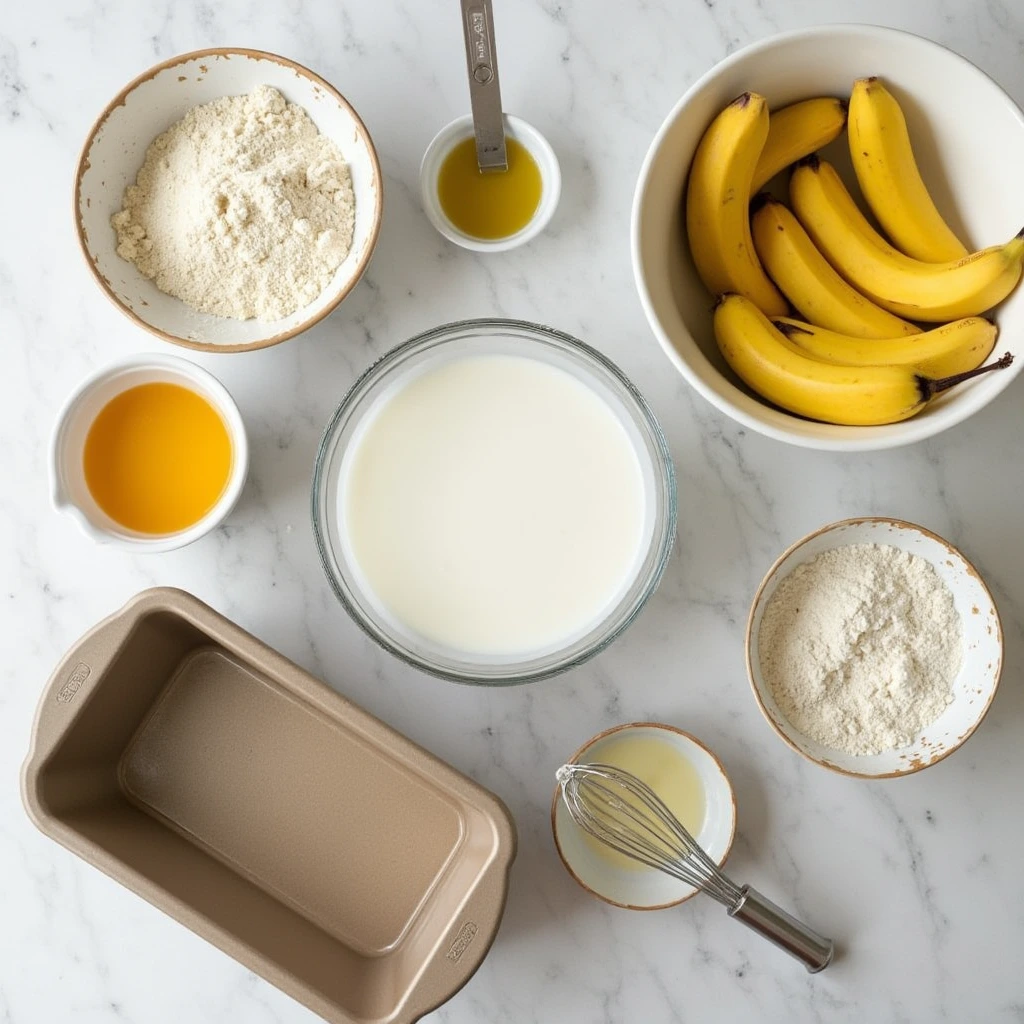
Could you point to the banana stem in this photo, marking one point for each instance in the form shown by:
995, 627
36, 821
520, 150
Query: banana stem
930, 387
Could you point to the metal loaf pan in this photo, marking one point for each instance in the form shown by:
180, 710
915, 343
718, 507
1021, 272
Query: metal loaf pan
231, 789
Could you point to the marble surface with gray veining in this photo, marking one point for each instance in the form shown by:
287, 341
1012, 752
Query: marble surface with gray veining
921, 880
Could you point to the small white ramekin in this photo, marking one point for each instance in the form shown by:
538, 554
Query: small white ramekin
69, 490
537, 146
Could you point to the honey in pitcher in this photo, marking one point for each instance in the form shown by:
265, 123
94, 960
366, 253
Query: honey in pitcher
157, 458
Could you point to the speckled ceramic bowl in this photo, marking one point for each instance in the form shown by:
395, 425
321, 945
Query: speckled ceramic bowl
114, 151
974, 687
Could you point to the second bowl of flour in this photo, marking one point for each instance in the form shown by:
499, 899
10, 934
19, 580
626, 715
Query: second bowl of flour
873, 647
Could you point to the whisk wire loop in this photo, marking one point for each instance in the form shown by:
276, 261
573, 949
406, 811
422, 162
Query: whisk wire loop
624, 812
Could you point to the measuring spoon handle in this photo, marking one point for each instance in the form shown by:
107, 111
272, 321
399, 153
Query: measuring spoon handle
484, 91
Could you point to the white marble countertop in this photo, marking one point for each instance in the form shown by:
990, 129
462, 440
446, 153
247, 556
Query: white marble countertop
919, 879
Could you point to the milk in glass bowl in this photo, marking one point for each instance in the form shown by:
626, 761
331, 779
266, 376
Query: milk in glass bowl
494, 502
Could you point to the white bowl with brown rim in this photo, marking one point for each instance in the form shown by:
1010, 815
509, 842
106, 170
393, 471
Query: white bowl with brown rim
636, 887
114, 152
974, 687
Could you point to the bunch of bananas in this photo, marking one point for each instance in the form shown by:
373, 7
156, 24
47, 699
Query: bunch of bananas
858, 355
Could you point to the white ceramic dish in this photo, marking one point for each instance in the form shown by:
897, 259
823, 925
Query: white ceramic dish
953, 110
643, 888
69, 491
114, 152
538, 147
975, 686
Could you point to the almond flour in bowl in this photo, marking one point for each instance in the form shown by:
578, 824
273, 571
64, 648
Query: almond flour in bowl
860, 647
241, 209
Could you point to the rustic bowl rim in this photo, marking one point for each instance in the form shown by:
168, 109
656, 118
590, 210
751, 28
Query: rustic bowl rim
184, 58
902, 524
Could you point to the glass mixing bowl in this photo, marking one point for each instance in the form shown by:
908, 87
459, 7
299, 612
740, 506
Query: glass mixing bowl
477, 338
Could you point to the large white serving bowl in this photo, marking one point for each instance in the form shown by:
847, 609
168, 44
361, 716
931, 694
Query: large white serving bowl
968, 137
114, 152
974, 687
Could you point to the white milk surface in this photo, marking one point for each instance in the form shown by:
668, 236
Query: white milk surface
494, 504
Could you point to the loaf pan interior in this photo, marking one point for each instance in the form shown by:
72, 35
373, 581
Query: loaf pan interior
300, 839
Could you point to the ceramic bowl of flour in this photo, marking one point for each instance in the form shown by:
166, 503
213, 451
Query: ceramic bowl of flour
115, 150
972, 685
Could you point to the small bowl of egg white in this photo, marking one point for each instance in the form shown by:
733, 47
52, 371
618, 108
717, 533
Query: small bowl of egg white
228, 199
691, 782
874, 647
493, 502
149, 454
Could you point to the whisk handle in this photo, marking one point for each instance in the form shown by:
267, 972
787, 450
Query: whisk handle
814, 951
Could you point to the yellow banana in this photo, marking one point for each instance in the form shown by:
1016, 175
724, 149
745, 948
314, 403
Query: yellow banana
810, 283
884, 163
942, 352
849, 395
934, 292
717, 217
796, 131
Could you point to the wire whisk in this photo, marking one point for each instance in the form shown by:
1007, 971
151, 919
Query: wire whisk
624, 813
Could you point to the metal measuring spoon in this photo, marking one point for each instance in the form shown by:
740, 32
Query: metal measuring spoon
484, 93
